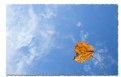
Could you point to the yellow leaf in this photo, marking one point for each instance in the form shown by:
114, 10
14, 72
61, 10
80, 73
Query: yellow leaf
83, 51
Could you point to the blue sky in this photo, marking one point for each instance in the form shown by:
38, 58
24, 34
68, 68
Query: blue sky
41, 39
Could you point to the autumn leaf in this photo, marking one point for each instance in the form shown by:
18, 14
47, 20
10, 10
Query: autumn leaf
83, 51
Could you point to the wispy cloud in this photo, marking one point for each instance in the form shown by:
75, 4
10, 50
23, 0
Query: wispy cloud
25, 29
84, 35
101, 60
103, 55
48, 13
79, 24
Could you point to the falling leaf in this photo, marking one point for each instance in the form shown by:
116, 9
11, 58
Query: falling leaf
83, 51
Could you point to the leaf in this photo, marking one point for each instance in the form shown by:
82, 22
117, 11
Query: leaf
83, 51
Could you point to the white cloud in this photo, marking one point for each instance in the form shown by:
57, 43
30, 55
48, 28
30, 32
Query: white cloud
48, 14
79, 24
84, 35
45, 34
101, 60
22, 27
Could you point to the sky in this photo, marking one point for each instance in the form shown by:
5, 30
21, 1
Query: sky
40, 39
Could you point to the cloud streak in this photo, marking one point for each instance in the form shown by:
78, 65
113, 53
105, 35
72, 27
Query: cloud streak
83, 35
